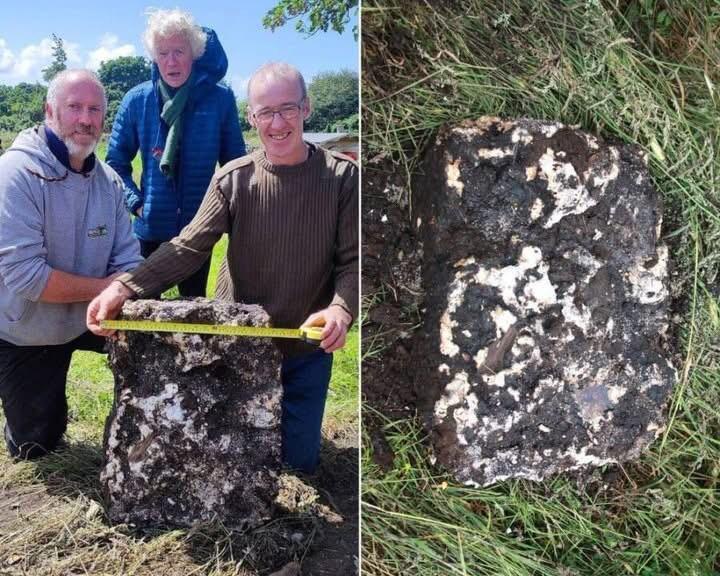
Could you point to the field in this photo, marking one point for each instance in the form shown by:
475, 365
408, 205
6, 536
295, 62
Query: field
52, 520
644, 72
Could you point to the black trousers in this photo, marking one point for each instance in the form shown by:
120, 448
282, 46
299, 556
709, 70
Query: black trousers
32, 389
195, 285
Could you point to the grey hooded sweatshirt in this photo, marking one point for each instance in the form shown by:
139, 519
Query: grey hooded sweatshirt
55, 219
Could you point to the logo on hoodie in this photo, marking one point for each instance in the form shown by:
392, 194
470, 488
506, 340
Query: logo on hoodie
98, 231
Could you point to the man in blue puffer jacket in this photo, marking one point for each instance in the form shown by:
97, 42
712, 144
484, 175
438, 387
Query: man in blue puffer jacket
184, 123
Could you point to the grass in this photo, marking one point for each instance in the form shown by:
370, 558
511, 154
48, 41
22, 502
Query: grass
51, 522
641, 72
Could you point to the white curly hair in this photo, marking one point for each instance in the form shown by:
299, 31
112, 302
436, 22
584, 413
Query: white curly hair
176, 22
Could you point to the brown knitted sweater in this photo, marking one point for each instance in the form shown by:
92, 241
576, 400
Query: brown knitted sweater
293, 239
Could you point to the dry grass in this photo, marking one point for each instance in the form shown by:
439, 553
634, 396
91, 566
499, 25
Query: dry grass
53, 523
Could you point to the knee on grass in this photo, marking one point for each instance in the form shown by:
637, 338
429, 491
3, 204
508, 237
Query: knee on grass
30, 448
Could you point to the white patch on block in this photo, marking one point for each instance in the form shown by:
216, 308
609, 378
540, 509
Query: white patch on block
465, 416
549, 130
537, 294
581, 318
452, 173
647, 284
569, 198
503, 319
455, 393
582, 257
601, 179
488, 153
537, 209
521, 135
480, 357
591, 141
455, 299
615, 393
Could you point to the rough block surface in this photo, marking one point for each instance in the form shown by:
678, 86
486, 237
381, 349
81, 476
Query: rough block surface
544, 347
194, 433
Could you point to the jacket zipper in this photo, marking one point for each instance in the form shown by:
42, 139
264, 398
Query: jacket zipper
178, 191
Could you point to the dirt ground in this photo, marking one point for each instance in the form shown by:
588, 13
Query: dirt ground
334, 549
314, 527
391, 287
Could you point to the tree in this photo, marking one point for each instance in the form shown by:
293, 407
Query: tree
242, 114
21, 106
320, 14
118, 76
334, 97
124, 72
349, 124
59, 59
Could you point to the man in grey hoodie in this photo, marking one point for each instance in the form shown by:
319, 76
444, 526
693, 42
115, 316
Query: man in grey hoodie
64, 235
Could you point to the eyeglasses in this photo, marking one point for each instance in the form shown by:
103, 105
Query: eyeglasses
286, 112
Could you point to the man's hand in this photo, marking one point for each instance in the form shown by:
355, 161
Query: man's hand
139, 212
106, 306
335, 322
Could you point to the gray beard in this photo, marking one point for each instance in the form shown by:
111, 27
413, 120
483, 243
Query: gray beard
78, 151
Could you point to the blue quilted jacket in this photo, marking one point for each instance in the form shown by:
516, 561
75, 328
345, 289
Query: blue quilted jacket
211, 134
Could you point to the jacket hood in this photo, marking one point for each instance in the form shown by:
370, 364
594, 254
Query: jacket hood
32, 143
210, 68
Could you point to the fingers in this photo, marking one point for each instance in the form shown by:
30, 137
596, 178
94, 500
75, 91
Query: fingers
334, 325
103, 307
104, 315
336, 344
316, 319
333, 336
93, 317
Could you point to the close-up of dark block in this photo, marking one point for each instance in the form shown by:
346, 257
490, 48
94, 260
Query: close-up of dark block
544, 343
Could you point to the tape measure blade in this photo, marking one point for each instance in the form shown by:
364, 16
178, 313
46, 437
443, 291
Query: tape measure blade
211, 329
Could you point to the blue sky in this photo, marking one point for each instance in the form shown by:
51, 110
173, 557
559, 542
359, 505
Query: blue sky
96, 31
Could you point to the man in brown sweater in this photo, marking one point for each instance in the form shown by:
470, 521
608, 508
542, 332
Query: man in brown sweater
291, 212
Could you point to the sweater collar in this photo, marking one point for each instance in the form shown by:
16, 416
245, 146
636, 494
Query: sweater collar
60, 151
313, 157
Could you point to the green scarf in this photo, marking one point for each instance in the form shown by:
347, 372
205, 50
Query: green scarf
173, 115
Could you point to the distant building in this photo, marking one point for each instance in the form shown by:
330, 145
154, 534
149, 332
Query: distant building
342, 142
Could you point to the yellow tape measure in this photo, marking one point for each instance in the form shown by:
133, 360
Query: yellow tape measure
311, 334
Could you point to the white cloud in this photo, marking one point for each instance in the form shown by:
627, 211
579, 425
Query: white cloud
109, 49
72, 51
7, 58
33, 57
28, 64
